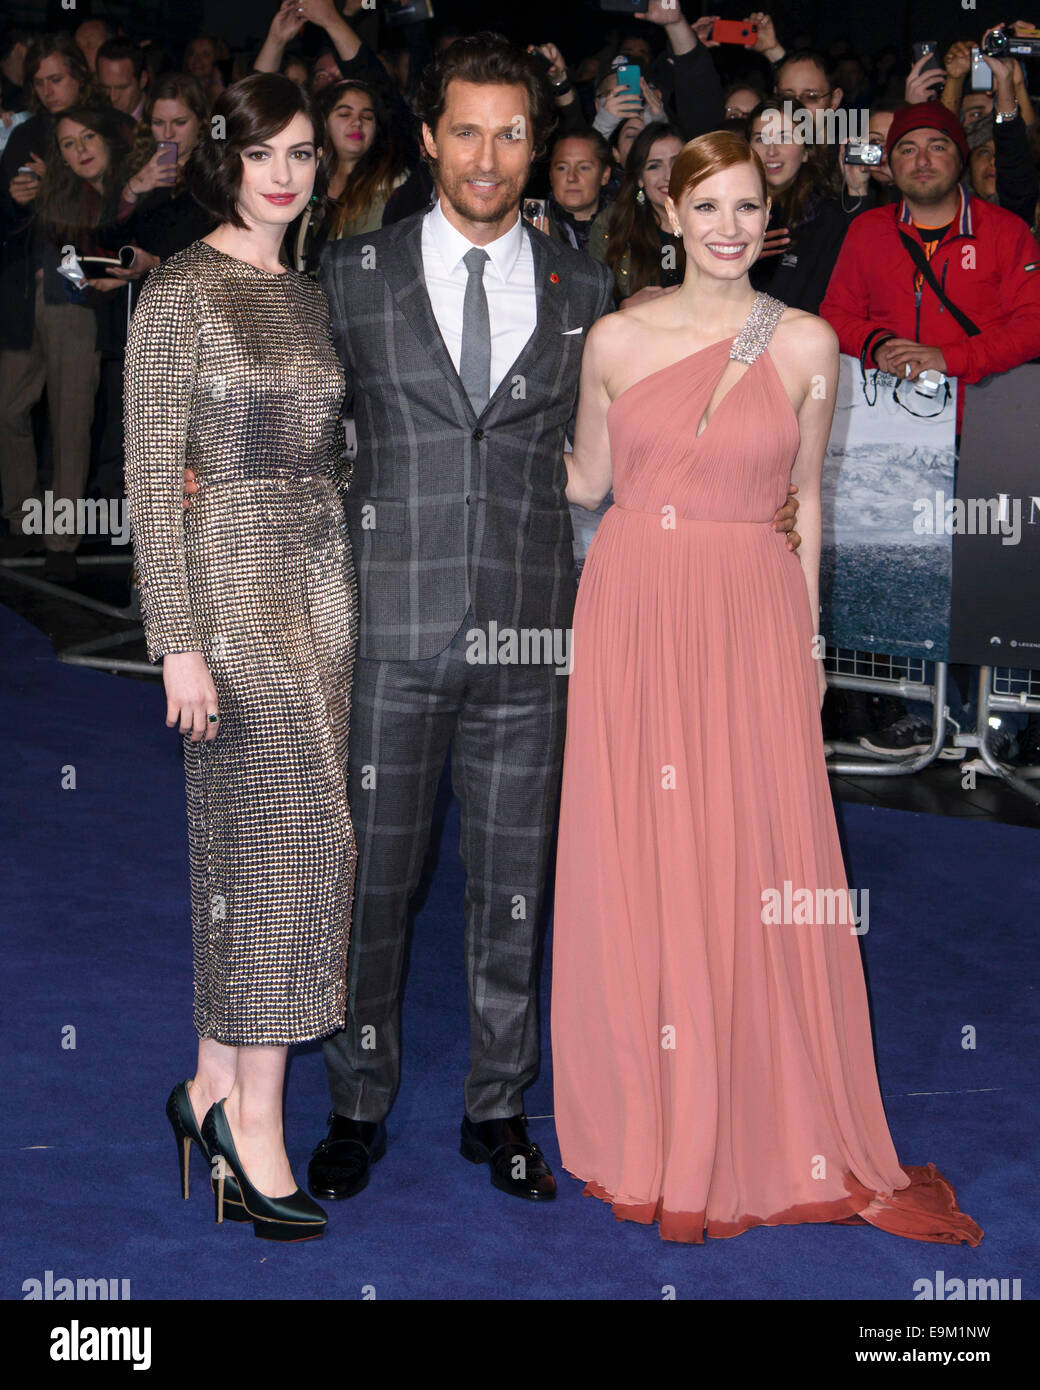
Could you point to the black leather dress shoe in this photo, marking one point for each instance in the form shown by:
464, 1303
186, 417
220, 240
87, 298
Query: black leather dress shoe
340, 1165
517, 1165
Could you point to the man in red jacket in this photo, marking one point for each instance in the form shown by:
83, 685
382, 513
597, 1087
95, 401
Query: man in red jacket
882, 304
939, 282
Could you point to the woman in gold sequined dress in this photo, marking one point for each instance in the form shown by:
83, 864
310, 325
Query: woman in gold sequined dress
249, 599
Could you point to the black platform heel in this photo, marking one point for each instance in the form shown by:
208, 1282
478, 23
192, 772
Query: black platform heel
186, 1130
295, 1217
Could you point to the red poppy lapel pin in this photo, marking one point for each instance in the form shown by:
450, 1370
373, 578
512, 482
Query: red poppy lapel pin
554, 279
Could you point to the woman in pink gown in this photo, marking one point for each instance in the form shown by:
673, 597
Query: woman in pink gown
713, 1065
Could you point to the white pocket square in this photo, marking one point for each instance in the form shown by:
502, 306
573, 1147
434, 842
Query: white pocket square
567, 332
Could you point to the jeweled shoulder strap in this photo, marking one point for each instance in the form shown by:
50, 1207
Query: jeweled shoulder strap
753, 338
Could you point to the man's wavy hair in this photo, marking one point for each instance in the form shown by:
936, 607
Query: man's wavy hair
63, 46
488, 59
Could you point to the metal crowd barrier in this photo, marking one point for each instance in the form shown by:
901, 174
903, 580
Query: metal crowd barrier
90, 653
1001, 689
899, 676
1006, 689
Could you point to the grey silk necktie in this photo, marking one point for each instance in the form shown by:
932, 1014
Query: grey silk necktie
475, 357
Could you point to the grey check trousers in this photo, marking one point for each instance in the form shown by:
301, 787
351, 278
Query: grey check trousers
504, 725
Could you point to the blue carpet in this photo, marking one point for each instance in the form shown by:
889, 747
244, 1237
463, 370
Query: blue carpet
96, 939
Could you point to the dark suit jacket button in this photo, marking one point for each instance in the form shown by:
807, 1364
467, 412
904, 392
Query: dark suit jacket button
478, 435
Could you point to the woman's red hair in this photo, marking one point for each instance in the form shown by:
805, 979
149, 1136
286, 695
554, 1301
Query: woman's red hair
709, 154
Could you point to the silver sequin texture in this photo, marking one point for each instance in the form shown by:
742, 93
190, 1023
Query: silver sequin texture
231, 370
754, 337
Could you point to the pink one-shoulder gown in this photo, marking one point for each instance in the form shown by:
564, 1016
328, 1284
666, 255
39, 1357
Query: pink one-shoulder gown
713, 1067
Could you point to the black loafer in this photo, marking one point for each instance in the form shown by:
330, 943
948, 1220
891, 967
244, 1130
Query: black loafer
517, 1166
341, 1163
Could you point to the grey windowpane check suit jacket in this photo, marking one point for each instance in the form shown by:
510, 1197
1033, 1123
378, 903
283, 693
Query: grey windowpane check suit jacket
447, 509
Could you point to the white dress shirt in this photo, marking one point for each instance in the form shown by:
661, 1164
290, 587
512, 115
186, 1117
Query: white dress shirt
508, 284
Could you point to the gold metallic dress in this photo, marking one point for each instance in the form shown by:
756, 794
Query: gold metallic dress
230, 370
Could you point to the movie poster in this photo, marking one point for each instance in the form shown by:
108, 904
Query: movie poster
886, 559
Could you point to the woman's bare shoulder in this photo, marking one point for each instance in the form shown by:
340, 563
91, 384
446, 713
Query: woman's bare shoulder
609, 336
801, 332
622, 331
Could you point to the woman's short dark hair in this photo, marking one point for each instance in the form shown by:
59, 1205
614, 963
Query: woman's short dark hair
487, 58
246, 113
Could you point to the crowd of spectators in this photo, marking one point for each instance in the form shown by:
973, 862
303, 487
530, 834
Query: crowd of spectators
98, 126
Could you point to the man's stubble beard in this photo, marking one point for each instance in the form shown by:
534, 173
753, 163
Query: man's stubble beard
480, 212
929, 199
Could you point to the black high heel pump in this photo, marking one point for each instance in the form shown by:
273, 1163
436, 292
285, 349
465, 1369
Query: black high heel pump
186, 1130
295, 1217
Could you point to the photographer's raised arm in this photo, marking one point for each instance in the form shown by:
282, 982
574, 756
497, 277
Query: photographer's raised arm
285, 25
957, 64
569, 115
324, 14
698, 92
1018, 183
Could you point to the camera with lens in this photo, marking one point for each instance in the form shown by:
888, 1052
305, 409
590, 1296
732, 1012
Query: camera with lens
1001, 44
857, 153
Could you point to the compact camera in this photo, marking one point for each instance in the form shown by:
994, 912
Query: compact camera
928, 383
857, 153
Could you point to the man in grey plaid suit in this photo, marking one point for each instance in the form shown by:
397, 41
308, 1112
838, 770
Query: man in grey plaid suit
461, 332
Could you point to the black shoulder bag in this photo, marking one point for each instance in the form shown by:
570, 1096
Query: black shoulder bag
920, 260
